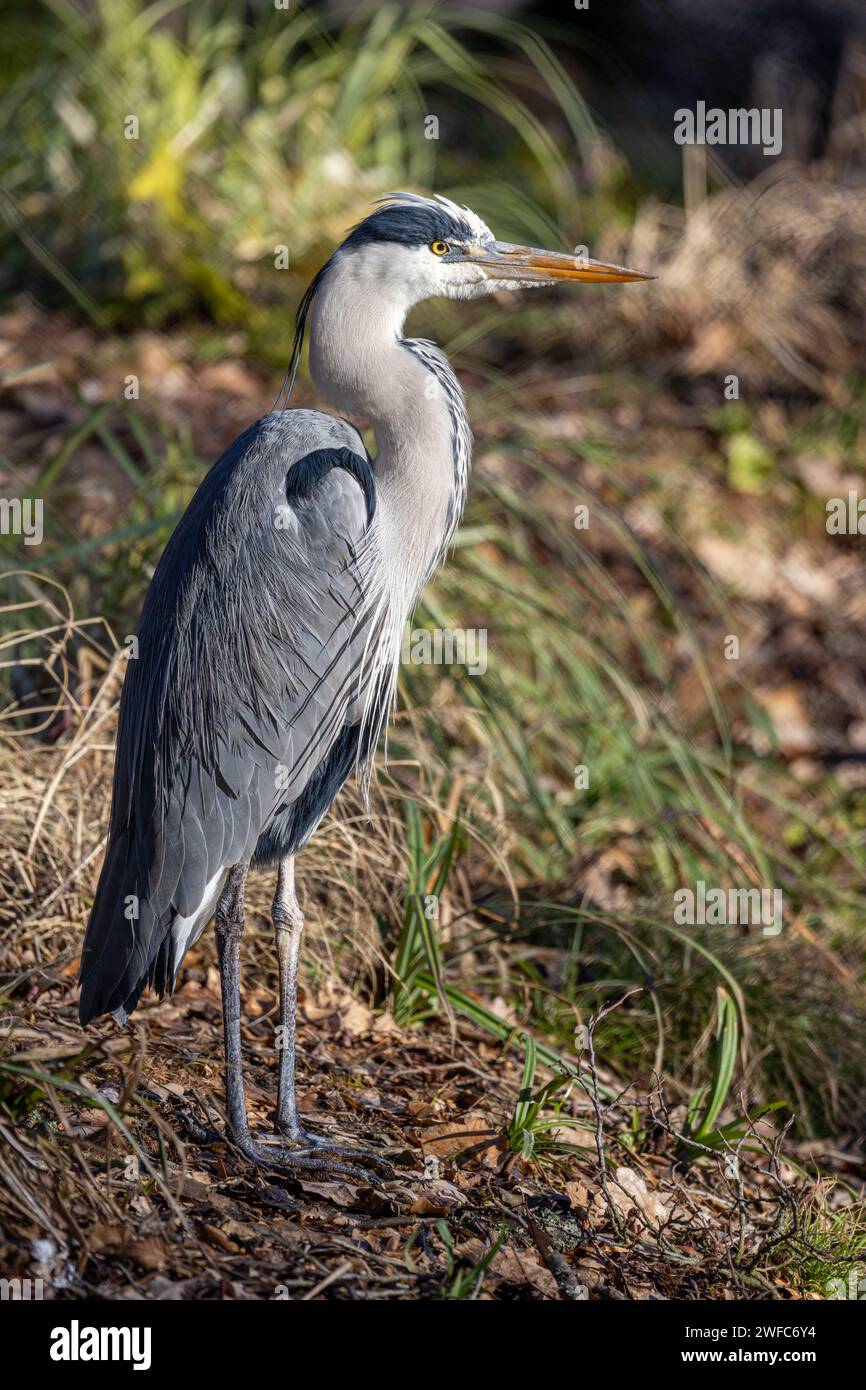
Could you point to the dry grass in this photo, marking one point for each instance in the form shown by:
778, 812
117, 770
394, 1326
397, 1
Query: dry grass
768, 282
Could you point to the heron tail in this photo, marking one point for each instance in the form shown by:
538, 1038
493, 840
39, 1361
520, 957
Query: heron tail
128, 945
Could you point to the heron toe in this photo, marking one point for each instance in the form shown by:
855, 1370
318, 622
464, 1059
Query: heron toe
321, 1144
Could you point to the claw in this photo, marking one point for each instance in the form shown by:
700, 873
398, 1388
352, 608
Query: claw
202, 1134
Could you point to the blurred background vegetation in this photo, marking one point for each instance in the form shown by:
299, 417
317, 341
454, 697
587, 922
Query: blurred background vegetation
154, 258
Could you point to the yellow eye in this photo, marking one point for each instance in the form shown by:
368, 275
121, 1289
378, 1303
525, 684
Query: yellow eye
439, 248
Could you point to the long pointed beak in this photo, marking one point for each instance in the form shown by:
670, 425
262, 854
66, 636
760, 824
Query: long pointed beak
531, 266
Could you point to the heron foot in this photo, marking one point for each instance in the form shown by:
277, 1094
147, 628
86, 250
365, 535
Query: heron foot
294, 1133
308, 1143
268, 1154
290, 1160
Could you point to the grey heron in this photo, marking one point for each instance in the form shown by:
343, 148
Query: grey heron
270, 636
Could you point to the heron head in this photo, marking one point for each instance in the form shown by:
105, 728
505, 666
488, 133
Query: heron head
418, 248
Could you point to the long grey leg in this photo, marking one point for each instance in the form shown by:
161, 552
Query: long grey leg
288, 920
229, 930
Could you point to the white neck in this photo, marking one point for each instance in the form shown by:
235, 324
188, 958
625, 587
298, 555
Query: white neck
361, 365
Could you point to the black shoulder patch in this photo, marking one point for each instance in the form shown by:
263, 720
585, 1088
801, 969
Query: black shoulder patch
303, 476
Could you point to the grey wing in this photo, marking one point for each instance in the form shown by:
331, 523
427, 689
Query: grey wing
249, 677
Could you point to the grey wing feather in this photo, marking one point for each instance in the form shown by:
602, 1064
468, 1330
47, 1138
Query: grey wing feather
250, 658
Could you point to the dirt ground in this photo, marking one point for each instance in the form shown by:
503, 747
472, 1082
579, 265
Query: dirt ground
134, 1207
